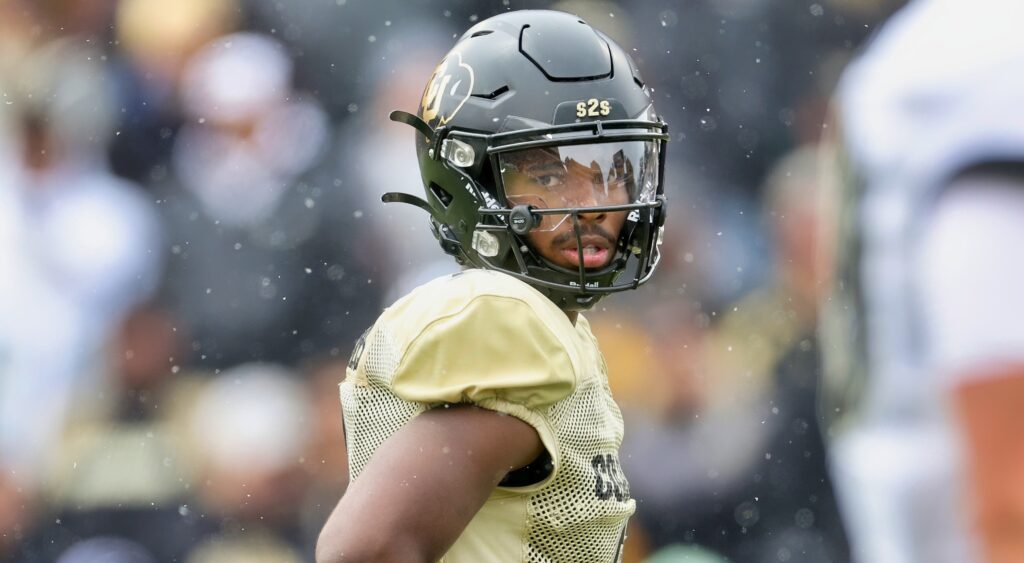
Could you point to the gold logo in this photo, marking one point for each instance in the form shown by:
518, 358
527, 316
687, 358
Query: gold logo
440, 99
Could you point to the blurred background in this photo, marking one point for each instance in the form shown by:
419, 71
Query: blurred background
191, 239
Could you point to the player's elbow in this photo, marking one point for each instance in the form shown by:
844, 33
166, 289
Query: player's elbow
375, 548
328, 550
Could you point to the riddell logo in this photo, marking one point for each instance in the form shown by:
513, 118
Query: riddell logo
449, 88
489, 201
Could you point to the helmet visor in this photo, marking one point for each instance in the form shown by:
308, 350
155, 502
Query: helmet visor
580, 177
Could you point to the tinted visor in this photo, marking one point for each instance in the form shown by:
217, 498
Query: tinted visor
580, 176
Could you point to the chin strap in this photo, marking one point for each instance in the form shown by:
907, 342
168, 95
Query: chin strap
399, 197
449, 242
413, 120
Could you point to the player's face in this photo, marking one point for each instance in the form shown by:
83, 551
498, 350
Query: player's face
580, 176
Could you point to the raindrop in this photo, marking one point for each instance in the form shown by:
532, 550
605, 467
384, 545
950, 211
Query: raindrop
747, 514
668, 18
804, 518
335, 272
817, 10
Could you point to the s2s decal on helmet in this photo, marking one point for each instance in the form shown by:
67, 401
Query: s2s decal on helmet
440, 101
593, 108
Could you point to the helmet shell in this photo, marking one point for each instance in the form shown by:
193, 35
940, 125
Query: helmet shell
534, 71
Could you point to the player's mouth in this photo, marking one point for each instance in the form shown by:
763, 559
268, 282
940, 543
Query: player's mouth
596, 252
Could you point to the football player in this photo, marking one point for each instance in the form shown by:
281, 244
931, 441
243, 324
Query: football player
926, 346
478, 417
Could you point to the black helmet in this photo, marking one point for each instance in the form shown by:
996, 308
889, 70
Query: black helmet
531, 90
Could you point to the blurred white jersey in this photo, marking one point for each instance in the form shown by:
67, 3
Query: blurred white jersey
940, 89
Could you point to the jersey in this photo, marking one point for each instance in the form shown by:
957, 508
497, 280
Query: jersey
488, 339
937, 92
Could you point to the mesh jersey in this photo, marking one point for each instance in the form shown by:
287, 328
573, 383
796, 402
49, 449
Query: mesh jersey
486, 338
938, 91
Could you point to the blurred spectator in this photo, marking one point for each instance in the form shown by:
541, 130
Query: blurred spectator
78, 246
155, 39
120, 477
259, 268
249, 429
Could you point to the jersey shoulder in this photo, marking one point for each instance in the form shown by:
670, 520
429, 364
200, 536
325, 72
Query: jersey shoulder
475, 336
452, 294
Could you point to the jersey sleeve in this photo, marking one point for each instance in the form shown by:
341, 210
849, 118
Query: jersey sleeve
496, 353
970, 281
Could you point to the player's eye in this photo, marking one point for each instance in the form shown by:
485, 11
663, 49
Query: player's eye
549, 180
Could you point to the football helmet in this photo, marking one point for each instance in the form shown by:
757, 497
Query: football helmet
525, 108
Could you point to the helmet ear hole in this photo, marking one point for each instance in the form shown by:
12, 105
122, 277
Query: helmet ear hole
441, 194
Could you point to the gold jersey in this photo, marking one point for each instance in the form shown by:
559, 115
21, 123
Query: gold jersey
489, 339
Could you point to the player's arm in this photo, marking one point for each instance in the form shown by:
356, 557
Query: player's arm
424, 484
990, 407
974, 299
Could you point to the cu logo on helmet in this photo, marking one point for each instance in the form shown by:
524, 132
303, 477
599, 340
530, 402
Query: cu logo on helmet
449, 88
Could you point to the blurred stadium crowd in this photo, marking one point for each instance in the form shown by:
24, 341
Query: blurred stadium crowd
191, 239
